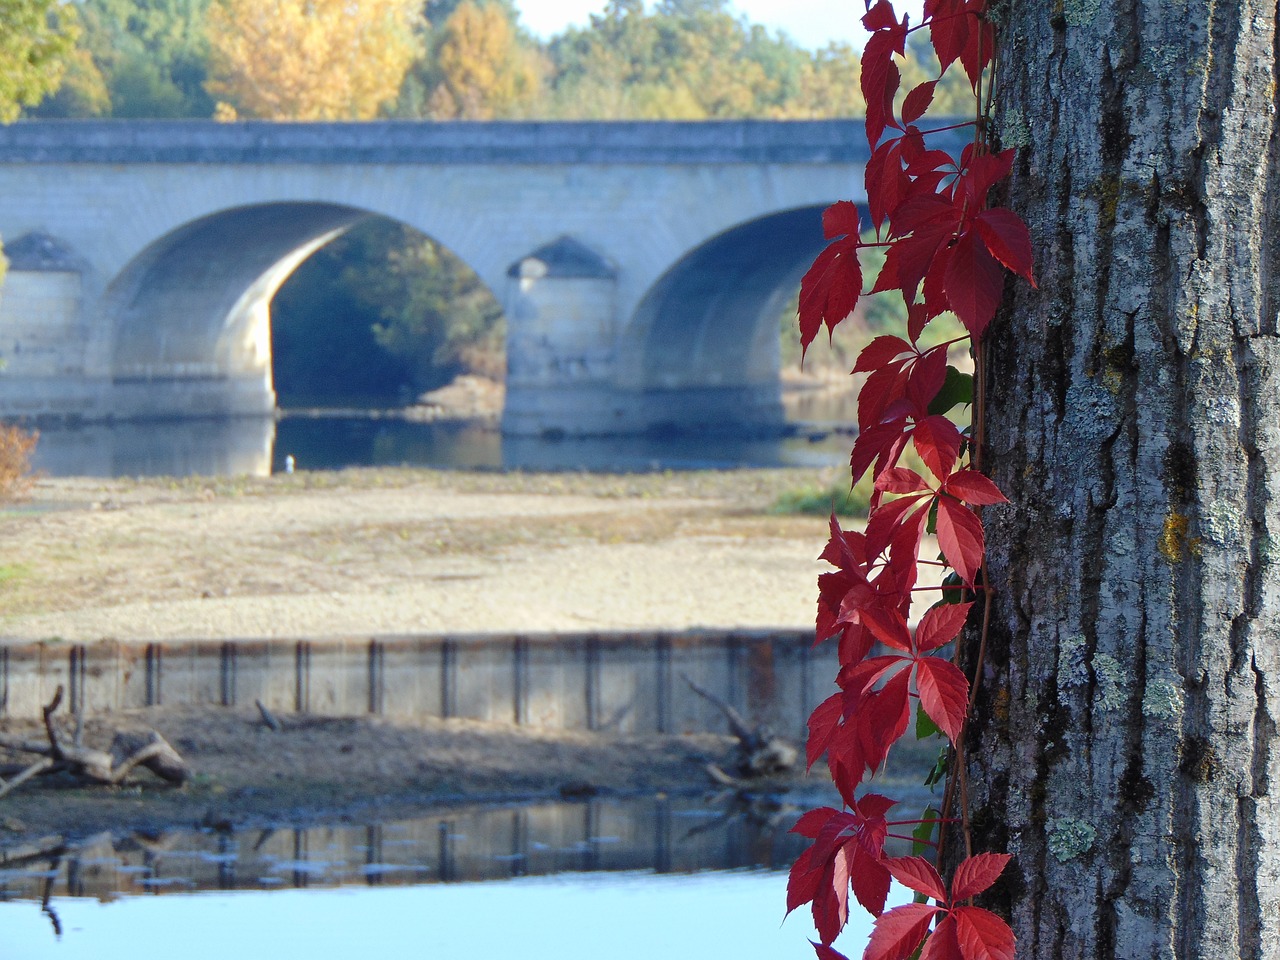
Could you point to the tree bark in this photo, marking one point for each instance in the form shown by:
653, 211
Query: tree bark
1123, 748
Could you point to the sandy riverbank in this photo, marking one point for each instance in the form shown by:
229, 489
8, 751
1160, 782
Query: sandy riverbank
391, 551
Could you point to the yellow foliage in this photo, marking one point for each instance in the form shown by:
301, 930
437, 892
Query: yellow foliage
310, 59
484, 72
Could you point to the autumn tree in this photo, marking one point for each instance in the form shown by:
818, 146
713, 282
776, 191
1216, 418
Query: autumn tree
310, 59
1124, 749
35, 39
478, 67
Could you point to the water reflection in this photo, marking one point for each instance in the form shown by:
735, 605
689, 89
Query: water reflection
258, 446
632, 877
662, 834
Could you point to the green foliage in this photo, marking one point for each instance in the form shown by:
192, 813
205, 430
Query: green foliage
435, 315
690, 59
137, 58
814, 501
36, 37
379, 316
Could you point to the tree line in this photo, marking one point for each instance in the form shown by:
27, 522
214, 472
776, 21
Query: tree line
439, 60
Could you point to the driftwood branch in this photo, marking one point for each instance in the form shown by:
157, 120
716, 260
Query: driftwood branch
109, 767
760, 752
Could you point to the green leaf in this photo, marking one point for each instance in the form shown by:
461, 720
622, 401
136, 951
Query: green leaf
923, 833
939, 771
925, 727
957, 390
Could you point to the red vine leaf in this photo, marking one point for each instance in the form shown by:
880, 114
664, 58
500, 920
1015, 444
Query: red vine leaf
841, 219
943, 943
898, 933
918, 874
974, 283
960, 537
825, 952
917, 101
881, 352
824, 722
944, 694
948, 29
972, 487
982, 935
938, 441
1007, 239
830, 289
977, 874
940, 625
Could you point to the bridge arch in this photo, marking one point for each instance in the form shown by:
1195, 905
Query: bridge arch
190, 315
702, 345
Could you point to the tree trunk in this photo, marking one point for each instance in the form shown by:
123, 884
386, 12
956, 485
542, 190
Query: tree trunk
1123, 749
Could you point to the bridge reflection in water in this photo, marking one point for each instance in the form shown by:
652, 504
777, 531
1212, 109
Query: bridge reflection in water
257, 446
677, 834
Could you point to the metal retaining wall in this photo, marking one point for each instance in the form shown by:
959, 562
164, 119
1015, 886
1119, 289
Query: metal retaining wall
625, 683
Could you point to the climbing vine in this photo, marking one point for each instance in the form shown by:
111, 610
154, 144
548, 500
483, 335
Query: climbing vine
946, 251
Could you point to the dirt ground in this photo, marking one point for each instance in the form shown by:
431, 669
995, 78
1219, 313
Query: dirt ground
390, 551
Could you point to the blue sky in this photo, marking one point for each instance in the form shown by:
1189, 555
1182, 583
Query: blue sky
811, 23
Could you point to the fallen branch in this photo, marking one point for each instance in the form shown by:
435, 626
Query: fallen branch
760, 752
109, 767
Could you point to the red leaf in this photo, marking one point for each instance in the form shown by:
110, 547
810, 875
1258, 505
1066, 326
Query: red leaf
896, 934
824, 722
948, 30
811, 823
880, 352
900, 480
887, 183
841, 219
908, 259
880, 16
831, 905
886, 521
972, 487
983, 935
942, 943
880, 80
976, 874
938, 442
889, 627
974, 283
870, 880
940, 625
804, 879
982, 173
918, 874
884, 388
830, 289
883, 718
944, 694
926, 379
827, 953
917, 102
979, 47
916, 212
873, 805
872, 442
960, 537
1007, 239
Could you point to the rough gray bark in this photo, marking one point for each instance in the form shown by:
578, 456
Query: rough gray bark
1124, 748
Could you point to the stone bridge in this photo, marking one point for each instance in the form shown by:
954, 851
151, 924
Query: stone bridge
641, 266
